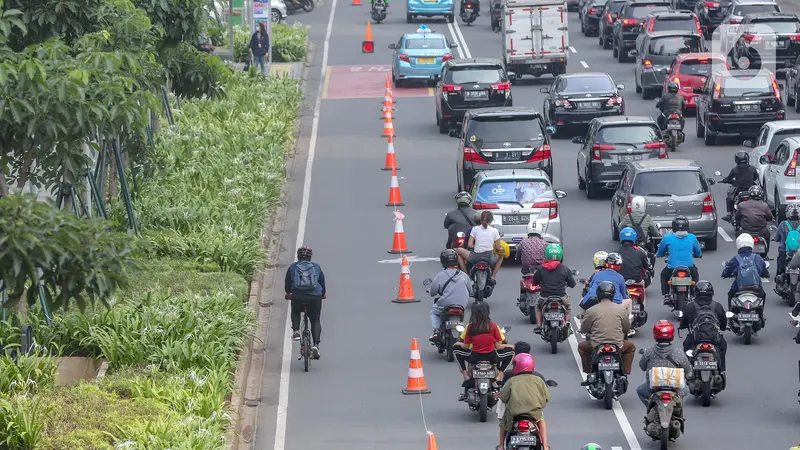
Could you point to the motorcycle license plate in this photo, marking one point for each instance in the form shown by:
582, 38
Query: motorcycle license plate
452, 323
636, 308
759, 248
425, 60
522, 440
608, 366
681, 281
554, 316
674, 126
747, 317
700, 364
483, 374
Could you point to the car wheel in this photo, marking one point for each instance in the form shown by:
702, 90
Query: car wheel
601, 40
647, 94
614, 51
583, 29
409, 18
699, 132
780, 211
796, 103
712, 243
581, 183
709, 137
622, 55
614, 231
444, 125
790, 100
451, 18
638, 88
606, 44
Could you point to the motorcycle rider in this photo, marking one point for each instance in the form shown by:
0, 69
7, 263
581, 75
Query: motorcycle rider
451, 285
610, 273
305, 286
531, 251
460, 219
741, 178
483, 240
669, 103
519, 348
635, 261
746, 268
700, 332
599, 263
554, 277
606, 323
787, 237
682, 247
525, 393
641, 222
753, 215
663, 354
476, 5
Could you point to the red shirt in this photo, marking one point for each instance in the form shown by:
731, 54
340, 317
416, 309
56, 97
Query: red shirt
484, 342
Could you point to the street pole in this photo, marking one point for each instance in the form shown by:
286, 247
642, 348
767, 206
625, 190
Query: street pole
230, 28
269, 34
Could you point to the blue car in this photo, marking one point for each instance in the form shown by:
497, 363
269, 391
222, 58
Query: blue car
420, 56
430, 8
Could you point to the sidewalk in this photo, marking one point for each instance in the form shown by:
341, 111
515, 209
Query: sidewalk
279, 69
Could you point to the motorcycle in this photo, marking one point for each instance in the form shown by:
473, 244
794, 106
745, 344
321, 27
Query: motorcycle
788, 284
482, 395
378, 11
468, 14
746, 315
759, 245
650, 271
305, 5
681, 288
452, 319
707, 381
524, 435
480, 274
555, 327
607, 381
664, 422
528, 297
675, 134
636, 290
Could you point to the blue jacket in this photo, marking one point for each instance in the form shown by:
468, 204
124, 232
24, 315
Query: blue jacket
682, 251
732, 267
319, 291
607, 275
783, 230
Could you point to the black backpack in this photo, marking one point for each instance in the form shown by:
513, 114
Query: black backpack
705, 327
640, 234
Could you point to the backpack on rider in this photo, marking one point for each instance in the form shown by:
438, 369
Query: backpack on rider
748, 275
641, 236
705, 327
305, 279
792, 238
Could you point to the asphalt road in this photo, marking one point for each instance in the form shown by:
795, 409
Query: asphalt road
351, 398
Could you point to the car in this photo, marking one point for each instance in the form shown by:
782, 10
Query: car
628, 25
278, 11
780, 180
769, 40
467, 84
573, 5
671, 187
591, 14
737, 102
655, 52
711, 13
574, 100
610, 144
517, 199
419, 56
430, 8
735, 14
672, 21
610, 13
770, 135
683, 5
690, 71
501, 138
792, 85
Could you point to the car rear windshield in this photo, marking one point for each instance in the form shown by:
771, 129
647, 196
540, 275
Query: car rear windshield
675, 24
616, 7
516, 190
640, 12
628, 134
743, 10
473, 74
739, 86
579, 85
699, 67
667, 183
779, 136
779, 26
674, 45
519, 128
425, 44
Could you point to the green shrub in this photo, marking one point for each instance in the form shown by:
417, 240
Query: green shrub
288, 43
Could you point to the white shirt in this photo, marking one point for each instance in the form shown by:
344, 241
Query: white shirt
484, 238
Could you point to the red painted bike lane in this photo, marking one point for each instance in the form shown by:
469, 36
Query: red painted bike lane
349, 82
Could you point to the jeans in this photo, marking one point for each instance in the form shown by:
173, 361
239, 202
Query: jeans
436, 316
314, 304
643, 391
666, 274
260, 62
501, 358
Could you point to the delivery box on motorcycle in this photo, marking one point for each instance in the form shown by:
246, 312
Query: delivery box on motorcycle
666, 378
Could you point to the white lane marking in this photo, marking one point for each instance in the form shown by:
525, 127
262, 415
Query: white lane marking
572, 49
765, 280
283, 395
622, 419
616, 448
411, 259
461, 47
585, 66
724, 234
454, 26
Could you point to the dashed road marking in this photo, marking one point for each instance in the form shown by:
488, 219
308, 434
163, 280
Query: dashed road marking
585, 66
724, 235
572, 49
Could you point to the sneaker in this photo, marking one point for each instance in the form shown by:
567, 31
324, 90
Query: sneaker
586, 382
435, 336
462, 397
537, 330
315, 352
296, 336
727, 218
667, 299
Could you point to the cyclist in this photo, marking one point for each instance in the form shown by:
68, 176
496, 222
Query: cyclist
682, 247
451, 285
305, 286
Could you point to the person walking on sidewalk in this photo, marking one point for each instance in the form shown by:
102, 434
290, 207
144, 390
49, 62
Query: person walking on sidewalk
259, 49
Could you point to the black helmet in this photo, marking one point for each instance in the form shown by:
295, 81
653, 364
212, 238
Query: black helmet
613, 259
304, 253
755, 193
704, 288
792, 212
673, 87
680, 223
741, 157
605, 291
448, 258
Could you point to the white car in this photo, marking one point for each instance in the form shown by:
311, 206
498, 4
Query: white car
278, 13
767, 141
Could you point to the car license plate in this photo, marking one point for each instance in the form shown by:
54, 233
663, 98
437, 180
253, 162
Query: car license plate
507, 156
748, 108
681, 281
664, 231
554, 316
608, 366
759, 248
747, 317
453, 323
522, 440
674, 126
629, 158
588, 105
700, 364
425, 60
483, 374
516, 219
476, 95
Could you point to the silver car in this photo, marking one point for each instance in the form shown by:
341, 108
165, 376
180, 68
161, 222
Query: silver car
736, 12
767, 141
517, 198
780, 177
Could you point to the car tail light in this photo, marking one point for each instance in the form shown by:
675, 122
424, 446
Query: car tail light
610, 19
597, 148
552, 205
501, 86
607, 349
614, 101
705, 346
755, 238
776, 90
697, 24
451, 88
524, 426
792, 169
662, 148
447, 57
564, 103
403, 57
682, 274
711, 4
666, 397
471, 155
592, 11
751, 37
648, 64
479, 205
717, 87
554, 305
708, 204
469, 5
542, 154
794, 37
652, 24
627, 22
630, 199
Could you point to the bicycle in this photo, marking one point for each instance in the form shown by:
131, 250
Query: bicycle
305, 338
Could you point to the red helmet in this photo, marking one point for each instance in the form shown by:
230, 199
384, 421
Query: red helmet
663, 330
523, 363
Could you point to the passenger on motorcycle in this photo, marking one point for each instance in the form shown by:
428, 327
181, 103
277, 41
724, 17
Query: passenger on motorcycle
519, 348
706, 320
683, 248
483, 240
525, 393
606, 323
476, 5
663, 354
641, 222
634, 260
741, 178
669, 103
451, 285
599, 263
753, 215
609, 274
746, 268
305, 286
531, 251
481, 340
554, 277
788, 237
461, 219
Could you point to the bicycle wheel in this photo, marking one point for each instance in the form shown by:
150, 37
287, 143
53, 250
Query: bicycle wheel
306, 345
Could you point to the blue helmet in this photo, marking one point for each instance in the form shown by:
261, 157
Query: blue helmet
627, 234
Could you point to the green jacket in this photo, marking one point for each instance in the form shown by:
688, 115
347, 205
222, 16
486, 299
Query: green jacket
648, 226
525, 393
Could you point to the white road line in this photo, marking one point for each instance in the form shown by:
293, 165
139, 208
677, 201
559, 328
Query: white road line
461, 47
622, 419
724, 235
616, 448
585, 66
572, 49
283, 395
454, 28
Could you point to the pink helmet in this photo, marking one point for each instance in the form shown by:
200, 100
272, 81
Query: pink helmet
523, 363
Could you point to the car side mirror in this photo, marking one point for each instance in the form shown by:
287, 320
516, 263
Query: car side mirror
544, 90
577, 140
748, 143
711, 181
454, 133
620, 87
765, 159
678, 314
697, 90
718, 173
641, 351
690, 353
427, 282
393, 46
560, 193
663, 70
435, 77
766, 263
453, 45
575, 272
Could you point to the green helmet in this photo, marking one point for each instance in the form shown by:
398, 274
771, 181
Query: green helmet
591, 447
553, 252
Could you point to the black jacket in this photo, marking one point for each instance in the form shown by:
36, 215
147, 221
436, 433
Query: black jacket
634, 262
753, 215
554, 277
669, 103
261, 50
461, 219
743, 177
690, 312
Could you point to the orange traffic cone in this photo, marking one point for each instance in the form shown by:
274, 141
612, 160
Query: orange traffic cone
368, 45
394, 191
405, 293
388, 87
416, 379
388, 127
399, 242
356, 2
391, 159
431, 441
386, 113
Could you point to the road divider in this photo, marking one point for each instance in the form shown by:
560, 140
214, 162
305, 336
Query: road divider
458, 38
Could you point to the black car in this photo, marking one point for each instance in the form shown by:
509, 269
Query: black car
671, 21
467, 84
501, 138
629, 24
683, 5
768, 40
793, 86
575, 99
711, 13
610, 144
737, 102
655, 52
573, 5
610, 14
591, 14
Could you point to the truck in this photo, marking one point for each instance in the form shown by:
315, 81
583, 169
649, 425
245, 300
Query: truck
535, 37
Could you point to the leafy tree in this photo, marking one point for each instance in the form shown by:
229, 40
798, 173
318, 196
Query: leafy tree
181, 20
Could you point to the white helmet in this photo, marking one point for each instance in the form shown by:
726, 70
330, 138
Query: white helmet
744, 240
638, 204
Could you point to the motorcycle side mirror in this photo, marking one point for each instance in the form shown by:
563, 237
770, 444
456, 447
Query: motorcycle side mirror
729, 315
697, 90
577, 140
678, 314
544, 90
690, 353
663, 71
641, 351
581, 280
393, 46
427, 282
460, 233
766, 263
560, 193
454, 133
620, 87
717, 173
551, 383
505, 329
575, 272
453, 45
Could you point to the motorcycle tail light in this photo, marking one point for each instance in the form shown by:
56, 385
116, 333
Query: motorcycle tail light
675, 116
682, 274
666, 397
747, 305
608, 349
481, 266
460, 242
554, 305
705, 346
469, 6
524, 426
755, 239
